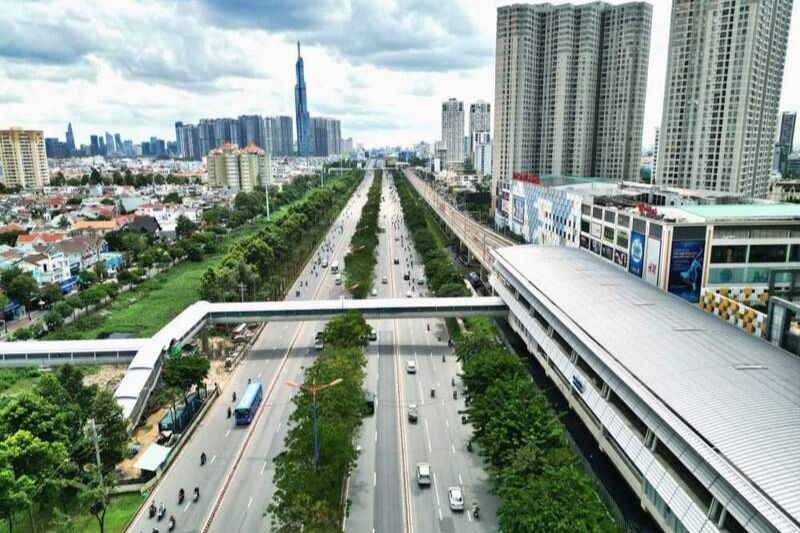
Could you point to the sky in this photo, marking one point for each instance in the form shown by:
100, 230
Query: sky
382, 67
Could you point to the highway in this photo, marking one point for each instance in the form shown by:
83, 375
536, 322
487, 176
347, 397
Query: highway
236, 482
479, 239
383, 490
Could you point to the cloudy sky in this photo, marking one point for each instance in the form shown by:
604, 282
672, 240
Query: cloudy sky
381, 66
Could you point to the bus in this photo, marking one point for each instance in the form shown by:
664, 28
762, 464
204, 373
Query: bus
335, 267
248, 405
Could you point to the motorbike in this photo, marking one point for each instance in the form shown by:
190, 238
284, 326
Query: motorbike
171, 523
162, 510
202, 458
475, 510
196, 495
229, 412
152, 510
433, 393
455, 395
181, 496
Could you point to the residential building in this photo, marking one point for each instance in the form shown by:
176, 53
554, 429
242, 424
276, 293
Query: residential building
252, 130
480, 121
302, 118
326, 136
482, 153
82, 253
55, 149
453, 130
47, 265
786, 139
570, 86
655, 155
23, 159
723, 87
244, 169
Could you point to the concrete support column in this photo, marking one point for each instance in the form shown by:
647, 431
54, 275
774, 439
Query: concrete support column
204, 340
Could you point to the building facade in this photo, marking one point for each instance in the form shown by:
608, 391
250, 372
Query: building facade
482, 153
786, 139
570, 86
326, 137
723, 87
23, 159
480, 121
243, 170
302, 118
453, 130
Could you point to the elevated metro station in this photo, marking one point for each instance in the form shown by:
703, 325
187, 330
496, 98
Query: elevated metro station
701, 418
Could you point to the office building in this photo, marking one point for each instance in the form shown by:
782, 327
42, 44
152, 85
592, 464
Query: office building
252, 130
119, 148
280, 135
302, 118
23, 159
480, 121
482, 153
723, 87
70, 138
785, 143
453, 130
110, 146
56, 149
243, 170
570, 86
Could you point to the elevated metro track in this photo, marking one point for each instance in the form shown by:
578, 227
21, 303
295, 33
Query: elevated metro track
146, 356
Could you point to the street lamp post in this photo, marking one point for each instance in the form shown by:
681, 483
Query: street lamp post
315, 389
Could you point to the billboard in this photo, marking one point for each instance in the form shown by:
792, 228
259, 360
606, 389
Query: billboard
584, 242
595, 246
519, 209
636, 257
652, 260
597, 230
608, 252
686, 269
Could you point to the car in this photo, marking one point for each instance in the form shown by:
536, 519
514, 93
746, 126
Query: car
421, 280
374, 292
373, 335
407, 276
319, 344
424, 475
408, 294
411, 366
396, 238
384, 280
455, 498
396, 261
412, 413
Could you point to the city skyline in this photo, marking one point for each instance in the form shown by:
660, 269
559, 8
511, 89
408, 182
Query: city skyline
385, 90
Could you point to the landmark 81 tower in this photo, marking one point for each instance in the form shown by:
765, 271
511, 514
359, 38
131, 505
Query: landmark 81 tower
301, 109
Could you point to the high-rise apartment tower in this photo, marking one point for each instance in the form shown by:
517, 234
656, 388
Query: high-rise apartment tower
23, 159
723, 88
453, 130
570, 85
480, 121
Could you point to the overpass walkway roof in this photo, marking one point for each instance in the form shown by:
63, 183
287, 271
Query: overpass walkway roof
148, 354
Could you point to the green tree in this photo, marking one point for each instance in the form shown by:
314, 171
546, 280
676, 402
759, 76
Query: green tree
96, 497
70, 378
349, 330
15, 495
184, 227
53, 320
51, 293
185, 371
4, 301
100, 270
63, 222
172, 198
86, 279
113, 432
23, 288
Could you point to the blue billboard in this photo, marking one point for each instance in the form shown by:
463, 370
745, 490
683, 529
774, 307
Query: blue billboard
686, 269
636, 256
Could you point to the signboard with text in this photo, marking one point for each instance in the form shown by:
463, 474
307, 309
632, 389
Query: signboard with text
652, 260
636, 255
686, 269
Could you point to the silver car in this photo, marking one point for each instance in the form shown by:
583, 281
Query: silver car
456, 498
424, 475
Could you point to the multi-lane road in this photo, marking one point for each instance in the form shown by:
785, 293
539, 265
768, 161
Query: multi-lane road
236, 482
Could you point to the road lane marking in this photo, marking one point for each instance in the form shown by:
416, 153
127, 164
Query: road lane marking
187, 506
263, 467
250, 503
447, 422
215, 457
277, 427
376, 435
227, 433
436, 490
469, 517
428, 437
374, 479
259, 375
460, 481
453, 447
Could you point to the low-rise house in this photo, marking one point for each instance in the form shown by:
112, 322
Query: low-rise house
36, 238
47, 265
145, 224
82, 253
93, 227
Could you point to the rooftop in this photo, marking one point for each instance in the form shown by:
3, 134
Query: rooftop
759, 211
732, 396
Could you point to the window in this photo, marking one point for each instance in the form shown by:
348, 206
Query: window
729, 254
768, 253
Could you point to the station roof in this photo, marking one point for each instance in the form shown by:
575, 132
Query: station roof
716, 383
737, 212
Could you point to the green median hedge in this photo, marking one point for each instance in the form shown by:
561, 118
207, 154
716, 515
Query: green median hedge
359, 264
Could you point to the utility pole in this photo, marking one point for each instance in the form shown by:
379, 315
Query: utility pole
314, 390
95, 441
242, 287
266, 193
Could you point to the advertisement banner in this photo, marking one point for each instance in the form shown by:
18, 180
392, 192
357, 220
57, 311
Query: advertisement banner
686, 269
597, 230
519, 209
652, 260
584, 242
608, 252
621, 258
596, 246
636, 257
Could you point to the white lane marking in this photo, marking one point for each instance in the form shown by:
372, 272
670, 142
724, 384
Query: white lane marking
374, 479
215, 457
250, 503
187, 506
227, 433
440, 515
447, 423
437, 383
306, 351
428, 437
469, 517
436, 490
453, 447
376, 435
377, 375
263, 467
460, 481
277, 427
259, 375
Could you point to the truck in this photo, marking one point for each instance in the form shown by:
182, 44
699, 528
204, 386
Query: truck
335, 267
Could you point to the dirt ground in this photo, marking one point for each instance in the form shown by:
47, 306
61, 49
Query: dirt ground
106, 376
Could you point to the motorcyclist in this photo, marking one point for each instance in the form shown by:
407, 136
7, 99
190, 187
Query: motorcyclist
202, 458
433, 393
181, 495
152, 508
229, 411
196, 493
475, 509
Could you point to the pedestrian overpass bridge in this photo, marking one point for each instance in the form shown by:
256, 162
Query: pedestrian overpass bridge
146, 356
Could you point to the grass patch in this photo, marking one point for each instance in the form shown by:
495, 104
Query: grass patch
16, 380
119, 513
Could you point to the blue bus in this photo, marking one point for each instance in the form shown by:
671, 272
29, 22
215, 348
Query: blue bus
248, 405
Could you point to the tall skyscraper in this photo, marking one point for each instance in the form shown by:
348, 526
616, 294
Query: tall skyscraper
453, 130
570, 85
252, 131
94, 145
118, 147
23, 159
70, 138
786, 138
723, 87
326, 136
480, 120
302, 117
110, 148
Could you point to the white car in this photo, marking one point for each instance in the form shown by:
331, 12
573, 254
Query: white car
424, 475
374, 292
408, 294
456, 498
411, 366
384, 280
